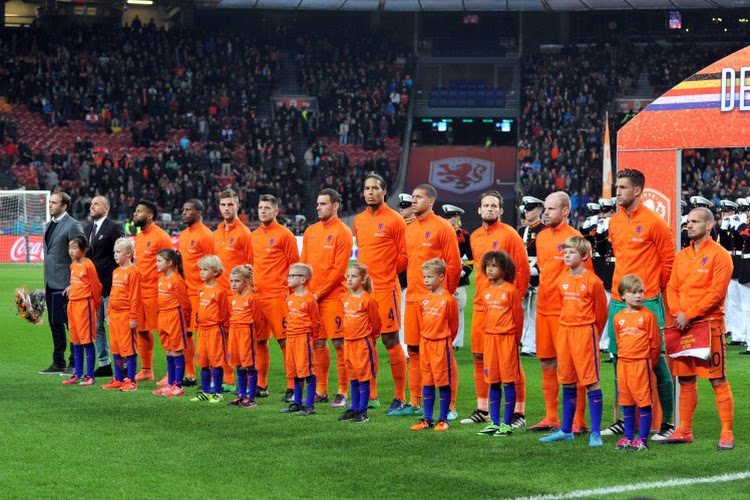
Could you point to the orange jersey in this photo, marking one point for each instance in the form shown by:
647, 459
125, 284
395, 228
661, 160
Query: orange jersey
303, 317
361, 316
438, 316
637, 334
503, 311
147, 243
643, 245
173, 294
428, 238
213, 307
196, 242
549, 251
126, 291
327, 247
583, 299
497, 237
274, 250
84, 282
381, 242
699, 282
245, 310
233, 247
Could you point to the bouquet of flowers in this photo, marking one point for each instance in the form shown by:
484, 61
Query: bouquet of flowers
31, 305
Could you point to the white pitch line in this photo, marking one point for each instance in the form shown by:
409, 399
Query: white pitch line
671, 483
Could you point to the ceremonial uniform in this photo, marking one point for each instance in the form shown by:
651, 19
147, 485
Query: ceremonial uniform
528, 339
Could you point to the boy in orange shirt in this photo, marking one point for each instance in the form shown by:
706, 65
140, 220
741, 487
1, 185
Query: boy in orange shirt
302, 329
122, 316
438, 326
638, 347
582, 318
502, 328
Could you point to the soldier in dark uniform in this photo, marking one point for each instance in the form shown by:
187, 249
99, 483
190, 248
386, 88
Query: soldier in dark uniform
742, 241
407, 212
603, 257
453, 214
684, 238
532, 226
702, 202
732, 312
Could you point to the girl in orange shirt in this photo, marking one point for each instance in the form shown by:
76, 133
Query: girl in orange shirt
243, 331
84, 296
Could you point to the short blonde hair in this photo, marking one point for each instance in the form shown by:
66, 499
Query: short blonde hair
213, 263
437, 265
126, 245
304, 269
579, 244
630, 283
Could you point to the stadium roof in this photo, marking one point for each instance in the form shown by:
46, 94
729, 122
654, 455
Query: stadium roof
481, 5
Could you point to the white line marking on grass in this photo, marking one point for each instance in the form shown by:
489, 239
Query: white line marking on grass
671, 483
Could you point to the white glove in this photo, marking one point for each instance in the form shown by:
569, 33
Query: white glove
735, 222
684, 219
725, 223
590, 221
463, 273
743, 219
601, 226
534, 271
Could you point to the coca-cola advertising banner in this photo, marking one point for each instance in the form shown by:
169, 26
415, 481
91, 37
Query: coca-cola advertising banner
15, 248
461, 173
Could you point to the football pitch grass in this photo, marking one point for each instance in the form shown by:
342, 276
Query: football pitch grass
65, 442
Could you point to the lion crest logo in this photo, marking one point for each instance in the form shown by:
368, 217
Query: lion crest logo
462, 174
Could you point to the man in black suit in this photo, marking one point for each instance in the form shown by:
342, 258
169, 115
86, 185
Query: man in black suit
103, 232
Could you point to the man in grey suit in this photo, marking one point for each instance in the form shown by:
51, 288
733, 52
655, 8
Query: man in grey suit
57, 233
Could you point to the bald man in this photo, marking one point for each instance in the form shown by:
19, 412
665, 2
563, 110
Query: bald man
102, 232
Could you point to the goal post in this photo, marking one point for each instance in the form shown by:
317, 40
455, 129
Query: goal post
23, 216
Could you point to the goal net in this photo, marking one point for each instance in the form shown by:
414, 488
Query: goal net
23, 215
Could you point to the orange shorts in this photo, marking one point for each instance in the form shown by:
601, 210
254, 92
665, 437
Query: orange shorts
501, 363
148, 317
299, 357
82, 321
577, 355
173, 329
713, 367
389, 306
634, 382
477, 332
192, 324
242, 345
212, 347
436, 360
411, 324
121, 336
331, 313
546, 336
359, 357
274, 311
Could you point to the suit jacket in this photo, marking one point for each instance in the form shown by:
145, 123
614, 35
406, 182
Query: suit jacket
56, 258
103, 250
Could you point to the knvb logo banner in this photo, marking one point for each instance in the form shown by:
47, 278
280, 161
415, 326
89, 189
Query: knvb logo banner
461, 175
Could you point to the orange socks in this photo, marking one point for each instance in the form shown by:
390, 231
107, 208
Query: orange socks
398, 371
321, 367
725, 405
580, 416
415, 380
481, 387
190, 358
341, 371
688, 403
262, 363
521, 393
145, 345
454, 381
551, 391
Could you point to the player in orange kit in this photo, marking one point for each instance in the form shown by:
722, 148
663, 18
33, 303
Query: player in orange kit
381, 238
437, 327
174, 311
84, 295
122, 316
274, 250
302, 329
195, 242
327, 248
148, 242
361, 327
583, 313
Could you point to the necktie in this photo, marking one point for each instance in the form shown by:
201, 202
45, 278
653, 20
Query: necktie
93, 234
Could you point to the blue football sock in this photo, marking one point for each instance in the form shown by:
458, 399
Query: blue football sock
428, 402
117, 362
132, 366
445, 402
252, 383
170, 370
364, 396
206, 380
241, 382
629, 421
312, 380
78, 360
510, 403
218, 374
354, 393
90, 359
646, 416
569, 408
179, 369
596, 407
298, 391
496, 395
